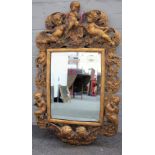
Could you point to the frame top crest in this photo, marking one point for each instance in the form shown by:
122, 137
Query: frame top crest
73, 29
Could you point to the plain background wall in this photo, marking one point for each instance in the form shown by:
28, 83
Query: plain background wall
42, 8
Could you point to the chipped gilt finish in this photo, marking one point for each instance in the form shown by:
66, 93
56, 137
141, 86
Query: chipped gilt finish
72, 30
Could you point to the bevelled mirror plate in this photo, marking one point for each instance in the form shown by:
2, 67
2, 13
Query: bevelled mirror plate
74, 84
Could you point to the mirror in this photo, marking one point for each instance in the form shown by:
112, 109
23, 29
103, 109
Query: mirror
75, 83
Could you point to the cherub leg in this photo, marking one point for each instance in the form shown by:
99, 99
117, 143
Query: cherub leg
76, 23
53, 39
105, 36
70, 25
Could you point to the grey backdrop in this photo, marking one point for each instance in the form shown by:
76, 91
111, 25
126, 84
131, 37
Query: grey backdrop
42, 8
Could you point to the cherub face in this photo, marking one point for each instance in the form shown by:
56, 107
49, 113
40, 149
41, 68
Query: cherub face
42, 57
75, 6
116, 99
37, 96
57, 19
91, 17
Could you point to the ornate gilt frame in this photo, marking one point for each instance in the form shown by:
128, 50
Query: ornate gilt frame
72, 31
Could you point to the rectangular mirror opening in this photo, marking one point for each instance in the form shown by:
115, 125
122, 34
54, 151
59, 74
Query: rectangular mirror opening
75, 85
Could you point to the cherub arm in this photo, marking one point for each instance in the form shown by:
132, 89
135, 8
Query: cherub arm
105, 29
50, 31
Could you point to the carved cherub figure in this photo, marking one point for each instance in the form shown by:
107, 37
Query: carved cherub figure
116, 37
66, 132
58, 27
40, 103
81, 131
54, 20
41, 59
98, 17
93, 29
112, 110
56, 34
73, 16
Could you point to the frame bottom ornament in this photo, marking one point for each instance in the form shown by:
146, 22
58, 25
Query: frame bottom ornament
79, 135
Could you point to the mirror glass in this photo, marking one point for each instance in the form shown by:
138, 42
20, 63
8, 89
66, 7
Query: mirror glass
75, 85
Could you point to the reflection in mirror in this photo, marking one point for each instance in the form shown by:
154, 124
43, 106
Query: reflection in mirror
75, 85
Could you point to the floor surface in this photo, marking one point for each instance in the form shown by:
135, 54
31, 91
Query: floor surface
44, 142
87, 109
